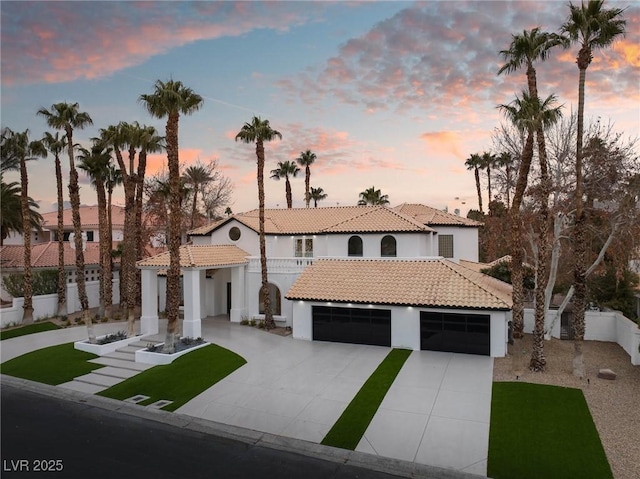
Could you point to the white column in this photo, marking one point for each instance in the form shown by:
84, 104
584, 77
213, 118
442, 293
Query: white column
149, 318
238, 305
191, 325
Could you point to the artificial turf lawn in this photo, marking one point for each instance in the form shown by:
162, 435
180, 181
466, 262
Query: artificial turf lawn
53, 365
352, 424
29, 329
540, 431
182, 380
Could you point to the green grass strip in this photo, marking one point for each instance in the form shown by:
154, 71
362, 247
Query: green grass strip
354, 421
182, 380
53, 365
543, 431
29, 329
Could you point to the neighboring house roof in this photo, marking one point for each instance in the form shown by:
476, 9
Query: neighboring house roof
433, 217
200, 256
45, 255
480, 266
341, 219
88, 218
426, 283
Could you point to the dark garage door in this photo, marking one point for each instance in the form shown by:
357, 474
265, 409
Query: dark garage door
352, 325
456, 333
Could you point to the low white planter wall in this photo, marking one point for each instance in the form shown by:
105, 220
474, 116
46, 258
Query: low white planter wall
104, 349
148, 357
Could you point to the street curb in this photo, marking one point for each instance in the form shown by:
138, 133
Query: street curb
248, 436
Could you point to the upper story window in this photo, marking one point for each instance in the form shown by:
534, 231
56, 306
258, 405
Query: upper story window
355, 246
388, 246
234, 233
304, 247
89, 235
445, 246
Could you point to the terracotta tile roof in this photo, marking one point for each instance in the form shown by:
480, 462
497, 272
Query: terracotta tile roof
426, 283
200, 256
45, 255
88, 218
341, 219
434, 217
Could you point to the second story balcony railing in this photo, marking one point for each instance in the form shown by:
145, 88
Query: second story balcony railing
280, 265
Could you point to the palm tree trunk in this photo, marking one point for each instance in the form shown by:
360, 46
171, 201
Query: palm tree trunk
268, 315
538, 360
307, 181
27, 316
477, 174
489, 185
128, 254
194, 206
62, 277
287, 187
103, 244
173, 273
579, 237
142, 167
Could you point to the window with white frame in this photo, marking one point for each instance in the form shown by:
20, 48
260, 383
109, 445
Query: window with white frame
445, 246
304, 248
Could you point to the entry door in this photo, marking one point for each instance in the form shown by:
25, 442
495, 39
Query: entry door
228, 299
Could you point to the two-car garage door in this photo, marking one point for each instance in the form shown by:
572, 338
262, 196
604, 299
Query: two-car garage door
456, 333
352, 325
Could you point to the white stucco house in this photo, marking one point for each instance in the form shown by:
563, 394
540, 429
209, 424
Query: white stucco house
359, 274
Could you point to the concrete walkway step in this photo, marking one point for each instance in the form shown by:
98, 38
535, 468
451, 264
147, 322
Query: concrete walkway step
82, 387
143, 343
121, 363
98, 379
126, 356
130, 349
116, 372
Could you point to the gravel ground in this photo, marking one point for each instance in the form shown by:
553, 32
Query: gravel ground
614, 405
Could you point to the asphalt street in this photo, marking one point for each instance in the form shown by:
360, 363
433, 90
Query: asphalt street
50, 437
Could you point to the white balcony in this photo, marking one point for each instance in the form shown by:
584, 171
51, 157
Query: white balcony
280, 265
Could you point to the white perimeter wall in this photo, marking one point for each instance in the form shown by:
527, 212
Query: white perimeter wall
46, 306
405, 324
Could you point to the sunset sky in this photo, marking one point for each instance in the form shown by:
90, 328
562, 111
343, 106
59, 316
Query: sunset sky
394, 95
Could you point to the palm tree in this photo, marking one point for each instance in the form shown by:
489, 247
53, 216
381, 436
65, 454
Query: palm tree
543, 115
317, 194
474, 162
23, 149
228, 211
11, 213
56, 145
95, 163
505, 160
518, 112
306, 159
198, 177
593, 27
525, 49
371, 196
284, 170
170, 99
259, 131
67, 117
112, 180
488, 161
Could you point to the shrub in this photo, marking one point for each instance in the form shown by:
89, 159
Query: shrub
43, 282
252, 322
112, 338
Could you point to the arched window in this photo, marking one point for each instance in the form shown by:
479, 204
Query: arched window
355, 246
388, 246
274, 297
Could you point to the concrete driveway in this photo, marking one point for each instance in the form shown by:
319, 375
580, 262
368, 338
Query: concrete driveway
437, 411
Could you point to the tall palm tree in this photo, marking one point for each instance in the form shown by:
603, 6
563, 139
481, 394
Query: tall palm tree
23, 149
593, 27
112, 180
543, 115
317, 194
197, 176
259, 131
11, 213
518, 112
56, 145
170, 99
95, 163
306, 159
525, 49
67, 117
371, 196
284, 170
474, 162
